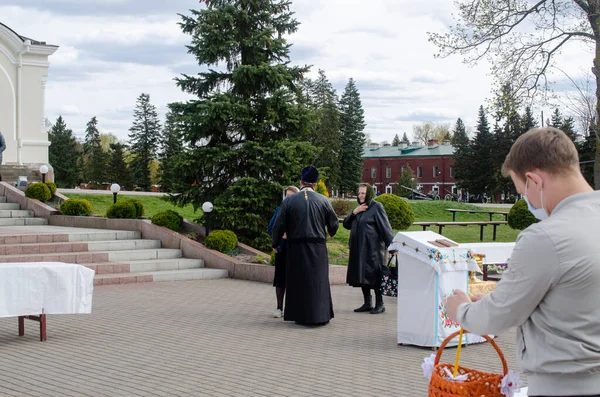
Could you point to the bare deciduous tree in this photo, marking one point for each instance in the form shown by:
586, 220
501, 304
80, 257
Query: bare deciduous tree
521, 38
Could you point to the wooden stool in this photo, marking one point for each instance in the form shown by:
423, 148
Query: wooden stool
41, 319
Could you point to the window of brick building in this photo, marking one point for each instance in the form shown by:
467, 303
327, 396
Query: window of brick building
436, 171
419, 172
373, 173
388, 172
451, 172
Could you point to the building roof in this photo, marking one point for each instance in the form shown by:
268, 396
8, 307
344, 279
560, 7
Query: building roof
410, 151
23, 38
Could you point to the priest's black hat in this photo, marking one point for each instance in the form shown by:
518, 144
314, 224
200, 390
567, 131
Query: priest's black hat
309, 174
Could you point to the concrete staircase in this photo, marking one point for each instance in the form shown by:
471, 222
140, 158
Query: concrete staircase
117, 256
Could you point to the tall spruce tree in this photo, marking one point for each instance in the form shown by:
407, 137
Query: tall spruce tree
95, 158
353, 137
405, 138
463, 164
144, 139
64, 155
396, 140
171, 150
118, 170
528, 121
325, 134
483, 175
246, 131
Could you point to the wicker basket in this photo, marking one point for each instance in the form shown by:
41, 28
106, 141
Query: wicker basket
479, 383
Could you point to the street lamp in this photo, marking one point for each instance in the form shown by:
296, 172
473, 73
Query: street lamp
115, 189
43, 171
207, 208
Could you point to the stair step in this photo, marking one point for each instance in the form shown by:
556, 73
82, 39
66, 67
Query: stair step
96, 257
121, 245
164, 265
167, 275
2, 199
16, 213
23, 221
9, 206
105, 235
84, 246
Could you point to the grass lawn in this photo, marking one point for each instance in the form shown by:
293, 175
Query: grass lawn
338, 246
152, 204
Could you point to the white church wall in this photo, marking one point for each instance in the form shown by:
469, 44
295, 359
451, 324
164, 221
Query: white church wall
8, 105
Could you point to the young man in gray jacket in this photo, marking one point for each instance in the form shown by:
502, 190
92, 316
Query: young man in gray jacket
551, 290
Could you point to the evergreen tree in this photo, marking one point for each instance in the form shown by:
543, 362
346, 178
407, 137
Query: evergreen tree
353, 137
568, 127
326, 134
95, 159
63, 154
245, 134
528, 121
396, 140
171, 150
118, 170
144, 138
556, 119
459, 134
408, 180
463, 161
587, 153
483, 174
405, 138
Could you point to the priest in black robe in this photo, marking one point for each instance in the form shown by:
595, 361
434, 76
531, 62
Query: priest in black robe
307, 217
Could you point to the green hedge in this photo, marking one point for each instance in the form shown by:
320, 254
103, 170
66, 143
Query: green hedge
221, 240
519, 216
399, 211
52, 187
123, 209
76, 207
139, 207
169, 219
38, 191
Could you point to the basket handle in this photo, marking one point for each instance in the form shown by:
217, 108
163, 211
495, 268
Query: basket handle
438, 355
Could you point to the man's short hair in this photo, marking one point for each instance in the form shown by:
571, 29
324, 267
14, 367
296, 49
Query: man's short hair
547, 149
292, 188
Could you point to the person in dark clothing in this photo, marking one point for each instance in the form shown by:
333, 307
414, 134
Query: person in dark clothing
280, 255
304, 218
370, 235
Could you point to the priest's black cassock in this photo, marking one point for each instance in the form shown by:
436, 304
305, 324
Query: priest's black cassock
304, 217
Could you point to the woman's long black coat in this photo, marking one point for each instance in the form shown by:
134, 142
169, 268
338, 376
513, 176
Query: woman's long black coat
370, 235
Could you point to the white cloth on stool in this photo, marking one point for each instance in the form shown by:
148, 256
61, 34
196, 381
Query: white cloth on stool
30, 288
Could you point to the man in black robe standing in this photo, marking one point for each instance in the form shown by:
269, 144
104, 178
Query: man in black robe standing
304, 216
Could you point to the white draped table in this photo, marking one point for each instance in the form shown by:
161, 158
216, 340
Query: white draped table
31, 290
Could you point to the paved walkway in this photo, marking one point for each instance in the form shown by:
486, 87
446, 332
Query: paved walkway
216, 338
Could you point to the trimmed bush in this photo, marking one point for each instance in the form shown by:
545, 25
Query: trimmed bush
262, 243
76, 207
221, 240
38, 191
123, 209
52, 187
169, 219
399, 211
343, 207
322, 188
139, 207
519, 216
272, 260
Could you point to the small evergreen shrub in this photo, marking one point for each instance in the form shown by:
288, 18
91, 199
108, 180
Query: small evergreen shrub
272, 260
262, 243
221, 240
139, 207
322, 188
123, 209
38, 191
52, 187
399, 212
76, 207
343, 207
261, 258
519, 216
169, 219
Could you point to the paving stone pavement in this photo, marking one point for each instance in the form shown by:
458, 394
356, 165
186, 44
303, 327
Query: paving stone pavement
217, 338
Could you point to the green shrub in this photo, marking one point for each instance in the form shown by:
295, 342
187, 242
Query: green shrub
519, 216
52, 187
399, 211
272, 260
38, 191
169, 219
261, 258
221, 240
343, 207
76, 207
139, 207
262, 243
123, 209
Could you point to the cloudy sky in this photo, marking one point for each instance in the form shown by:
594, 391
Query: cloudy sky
113, 50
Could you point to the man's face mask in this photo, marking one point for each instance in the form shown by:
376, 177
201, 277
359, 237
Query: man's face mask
539, 213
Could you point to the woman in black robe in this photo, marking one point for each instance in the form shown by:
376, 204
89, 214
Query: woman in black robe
370, 235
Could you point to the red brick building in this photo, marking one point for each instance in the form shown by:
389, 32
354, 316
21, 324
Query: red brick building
432, 165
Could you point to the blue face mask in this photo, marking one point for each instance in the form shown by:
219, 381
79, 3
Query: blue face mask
539, 213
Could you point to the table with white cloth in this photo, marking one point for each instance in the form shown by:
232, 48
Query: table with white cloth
31, 290
427, 275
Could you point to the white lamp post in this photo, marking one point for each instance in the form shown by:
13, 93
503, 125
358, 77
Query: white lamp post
43, 171
207, 208
115, 189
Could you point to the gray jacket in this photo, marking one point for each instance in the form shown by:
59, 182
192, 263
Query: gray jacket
2, 146
551, 293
